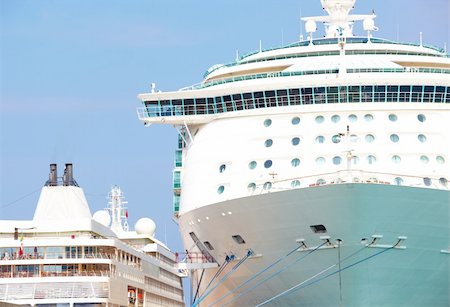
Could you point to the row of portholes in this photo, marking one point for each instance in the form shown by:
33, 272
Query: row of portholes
353, 138
351, 118
337, 160
296, 183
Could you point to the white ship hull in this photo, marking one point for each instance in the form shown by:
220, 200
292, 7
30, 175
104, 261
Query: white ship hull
414, 273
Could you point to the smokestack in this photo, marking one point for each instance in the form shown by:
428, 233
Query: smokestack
68, 175
53, 176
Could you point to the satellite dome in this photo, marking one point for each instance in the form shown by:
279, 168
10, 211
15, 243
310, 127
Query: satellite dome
310, 26
145, 226
103, 217
369, 24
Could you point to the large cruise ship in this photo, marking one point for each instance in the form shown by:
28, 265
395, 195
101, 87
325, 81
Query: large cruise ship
316, 174
67, 257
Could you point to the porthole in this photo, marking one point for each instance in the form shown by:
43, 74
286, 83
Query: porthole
422, 138
336, 138
320, 119
222, 168
295, 162
320, 181
320, 139
352, 118
394, 138
295, 183
398, 181
354, 138
368, 117
396, 159
268, 143
251, 187
320, 161
295, 121
421, 118
267, 122
220, 189
427, 181
424, 159
295, 141
443, 181
335, 118
252, 165
371, 159
267, 186
440, 160
337, 160
268, 164
369, 138
392, 117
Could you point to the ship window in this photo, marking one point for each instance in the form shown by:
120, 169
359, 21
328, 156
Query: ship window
320, 181
268, 143
394, 138
396, 159
439, 95
238, 239
371, 159
222, 168
295, 120
267, 186
398, 181
370, 138
208, 245
352, 118
422, 138
318, 228
320, 119
443, 181
392, 117
424, 159
268, 164
354, 138
337, 160
251, 187
295, 141
336, 138
220, 189
252, 165
295, 162
320, 161
320, 139
440, 160
295, 183
368, 117
421, 118
335, 118
267, 122
294, 96
427, 181
282, 97
355, 160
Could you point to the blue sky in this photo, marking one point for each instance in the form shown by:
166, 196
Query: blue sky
70, 72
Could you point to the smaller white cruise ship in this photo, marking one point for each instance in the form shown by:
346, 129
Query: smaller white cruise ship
65, 256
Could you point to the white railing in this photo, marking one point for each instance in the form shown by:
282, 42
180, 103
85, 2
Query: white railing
37, 291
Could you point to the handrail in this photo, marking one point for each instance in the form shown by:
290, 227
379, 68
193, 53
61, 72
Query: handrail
300, 96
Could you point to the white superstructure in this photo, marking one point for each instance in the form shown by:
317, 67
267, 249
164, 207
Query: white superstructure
67, 257
316, 174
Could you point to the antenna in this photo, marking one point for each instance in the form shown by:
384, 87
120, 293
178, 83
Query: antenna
421, 39
260, 45
301, 26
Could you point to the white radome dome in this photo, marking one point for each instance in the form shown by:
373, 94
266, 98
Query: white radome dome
145, 226
103, 217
